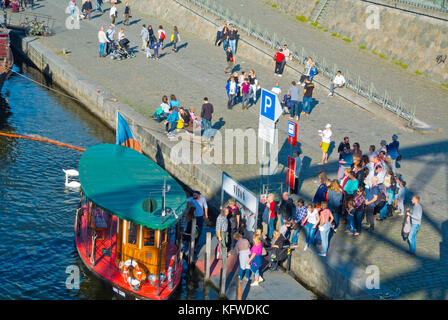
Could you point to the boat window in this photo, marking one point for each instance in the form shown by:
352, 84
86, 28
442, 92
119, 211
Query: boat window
132, 233
148, 237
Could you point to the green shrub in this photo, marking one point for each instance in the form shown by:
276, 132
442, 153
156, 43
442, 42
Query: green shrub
444, 85
347, 40
325, 30
314, 23
382, 56
319, 27
362, 47
274, 6
419, 73
374, 52
302, 18
334, 34
400, 64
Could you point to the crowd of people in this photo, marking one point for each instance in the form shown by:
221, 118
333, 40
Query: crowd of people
17, 5
152, 39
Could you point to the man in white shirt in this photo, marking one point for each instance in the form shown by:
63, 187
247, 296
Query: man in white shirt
102, 38
288, 56
338, 82
113, 13
200, 204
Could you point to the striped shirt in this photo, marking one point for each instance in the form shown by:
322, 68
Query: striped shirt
221, 224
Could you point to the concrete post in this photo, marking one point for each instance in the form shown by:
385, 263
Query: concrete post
222, 286
208, 254
192, 240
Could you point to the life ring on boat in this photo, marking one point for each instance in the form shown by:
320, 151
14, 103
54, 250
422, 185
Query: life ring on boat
171, 268
138, 272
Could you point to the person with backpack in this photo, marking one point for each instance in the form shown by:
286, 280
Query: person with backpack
161, 35
279, 57
230, 61
306, 74
175, 38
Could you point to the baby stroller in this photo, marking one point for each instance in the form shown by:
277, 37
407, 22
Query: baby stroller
122, 50
275, 256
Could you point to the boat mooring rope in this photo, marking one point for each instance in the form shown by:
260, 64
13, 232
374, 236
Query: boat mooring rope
43, 139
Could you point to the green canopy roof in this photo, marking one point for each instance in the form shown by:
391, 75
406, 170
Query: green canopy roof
119, 179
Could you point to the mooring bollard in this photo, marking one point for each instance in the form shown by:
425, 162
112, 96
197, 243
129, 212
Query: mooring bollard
208, 255
222, 286
288, 267
239, 293
192, 242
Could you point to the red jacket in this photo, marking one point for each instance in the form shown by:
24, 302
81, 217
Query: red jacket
279, 57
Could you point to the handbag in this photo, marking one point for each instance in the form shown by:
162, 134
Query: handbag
320, 144
218, 251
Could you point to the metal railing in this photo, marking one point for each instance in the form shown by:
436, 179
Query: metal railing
27, 19
354, 82
437, 5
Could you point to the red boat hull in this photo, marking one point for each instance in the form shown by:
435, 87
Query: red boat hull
106, 269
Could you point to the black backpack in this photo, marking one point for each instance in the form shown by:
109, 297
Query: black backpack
381, 194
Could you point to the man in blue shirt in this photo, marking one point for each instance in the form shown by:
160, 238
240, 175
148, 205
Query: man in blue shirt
392, 151
370, 203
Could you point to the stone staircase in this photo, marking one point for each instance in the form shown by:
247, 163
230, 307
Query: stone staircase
320, 12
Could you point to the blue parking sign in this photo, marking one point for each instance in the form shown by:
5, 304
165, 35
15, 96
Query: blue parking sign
292, 129
270, 107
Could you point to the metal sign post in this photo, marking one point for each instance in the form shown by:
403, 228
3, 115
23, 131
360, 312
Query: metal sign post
270, 112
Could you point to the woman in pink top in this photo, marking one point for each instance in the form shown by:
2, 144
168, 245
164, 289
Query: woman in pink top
326, 218
256, 259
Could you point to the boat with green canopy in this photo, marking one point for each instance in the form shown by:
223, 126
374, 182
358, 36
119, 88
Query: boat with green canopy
128, 224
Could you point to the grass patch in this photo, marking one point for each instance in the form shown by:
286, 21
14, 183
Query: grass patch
302, 18
314, 23
347, 40
325, 30
382, 56
444, 85
319, 27
337, 35
374, 52
419, 73
362, 47
400, 64
274, 6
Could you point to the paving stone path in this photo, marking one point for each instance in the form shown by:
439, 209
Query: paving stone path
196, 71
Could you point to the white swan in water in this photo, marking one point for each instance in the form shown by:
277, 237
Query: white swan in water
71, 184
71, 172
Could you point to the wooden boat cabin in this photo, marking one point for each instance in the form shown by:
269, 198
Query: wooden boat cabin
128, 222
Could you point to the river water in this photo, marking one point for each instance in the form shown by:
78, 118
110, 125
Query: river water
37, 213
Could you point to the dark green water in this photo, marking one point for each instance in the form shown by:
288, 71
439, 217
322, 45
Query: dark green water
37, 213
